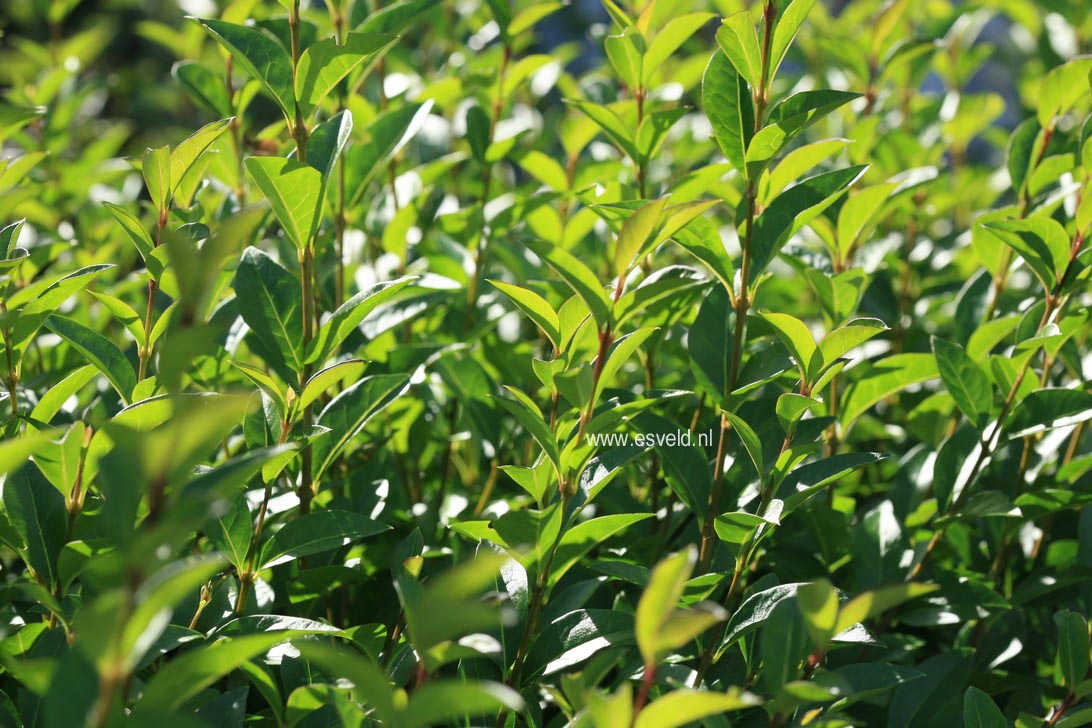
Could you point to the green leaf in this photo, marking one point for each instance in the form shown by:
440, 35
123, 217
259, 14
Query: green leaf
260, 56
574, 637
383, 138
874, 603
36, 511
793, 209
187, 153
324, 64
578, 276
583, 537
322, 381
1048, 408
818, 604
270, 303
100, 351
788, 23
1072, 647
612, 125
786, 120
710, 344
317, 532
658, 604
352, 409
156, 167
527, 413
967, 382
669, 39
368, 681
536, 308
349, 316
187, 675
636, 231
1042, 242
294, 191
844, 339
796, 337
204, 85
1062, 88
685, 706
625, 52
230, 533
438, 701
751, 442
738, 39
327, 142
979, 711
884, 378
133, 229
727, 101
783, 645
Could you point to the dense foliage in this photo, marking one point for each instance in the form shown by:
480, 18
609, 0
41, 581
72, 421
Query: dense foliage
518, 363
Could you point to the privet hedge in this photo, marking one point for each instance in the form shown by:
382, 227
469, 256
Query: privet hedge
522, 364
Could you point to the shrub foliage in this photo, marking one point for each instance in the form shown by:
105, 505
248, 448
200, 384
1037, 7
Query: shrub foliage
711, 365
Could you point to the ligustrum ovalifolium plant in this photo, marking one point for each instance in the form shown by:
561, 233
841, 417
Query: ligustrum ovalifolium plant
614, 364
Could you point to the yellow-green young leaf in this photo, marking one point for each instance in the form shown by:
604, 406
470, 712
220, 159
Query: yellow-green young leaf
886, 21
675, 218
635, 233
545, 169
611, 124
156, 167
325, 63
294, 191
536, 308
685, 706
796, 337
658, 603
796, 163
262, 57
124, 313
883, 379
578, 276
842, 340
668, 40
791, 407
788, 23
187, 152
686, 624
818, 604
611, 710
322, 381
860, 209
625, 52
1073, 647
133, 229
369, 682
266, 383
1062, 88
738, 39
874, 603
526, 18
437, 701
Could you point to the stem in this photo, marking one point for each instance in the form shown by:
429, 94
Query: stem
487, 180
145, 352
647, 681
